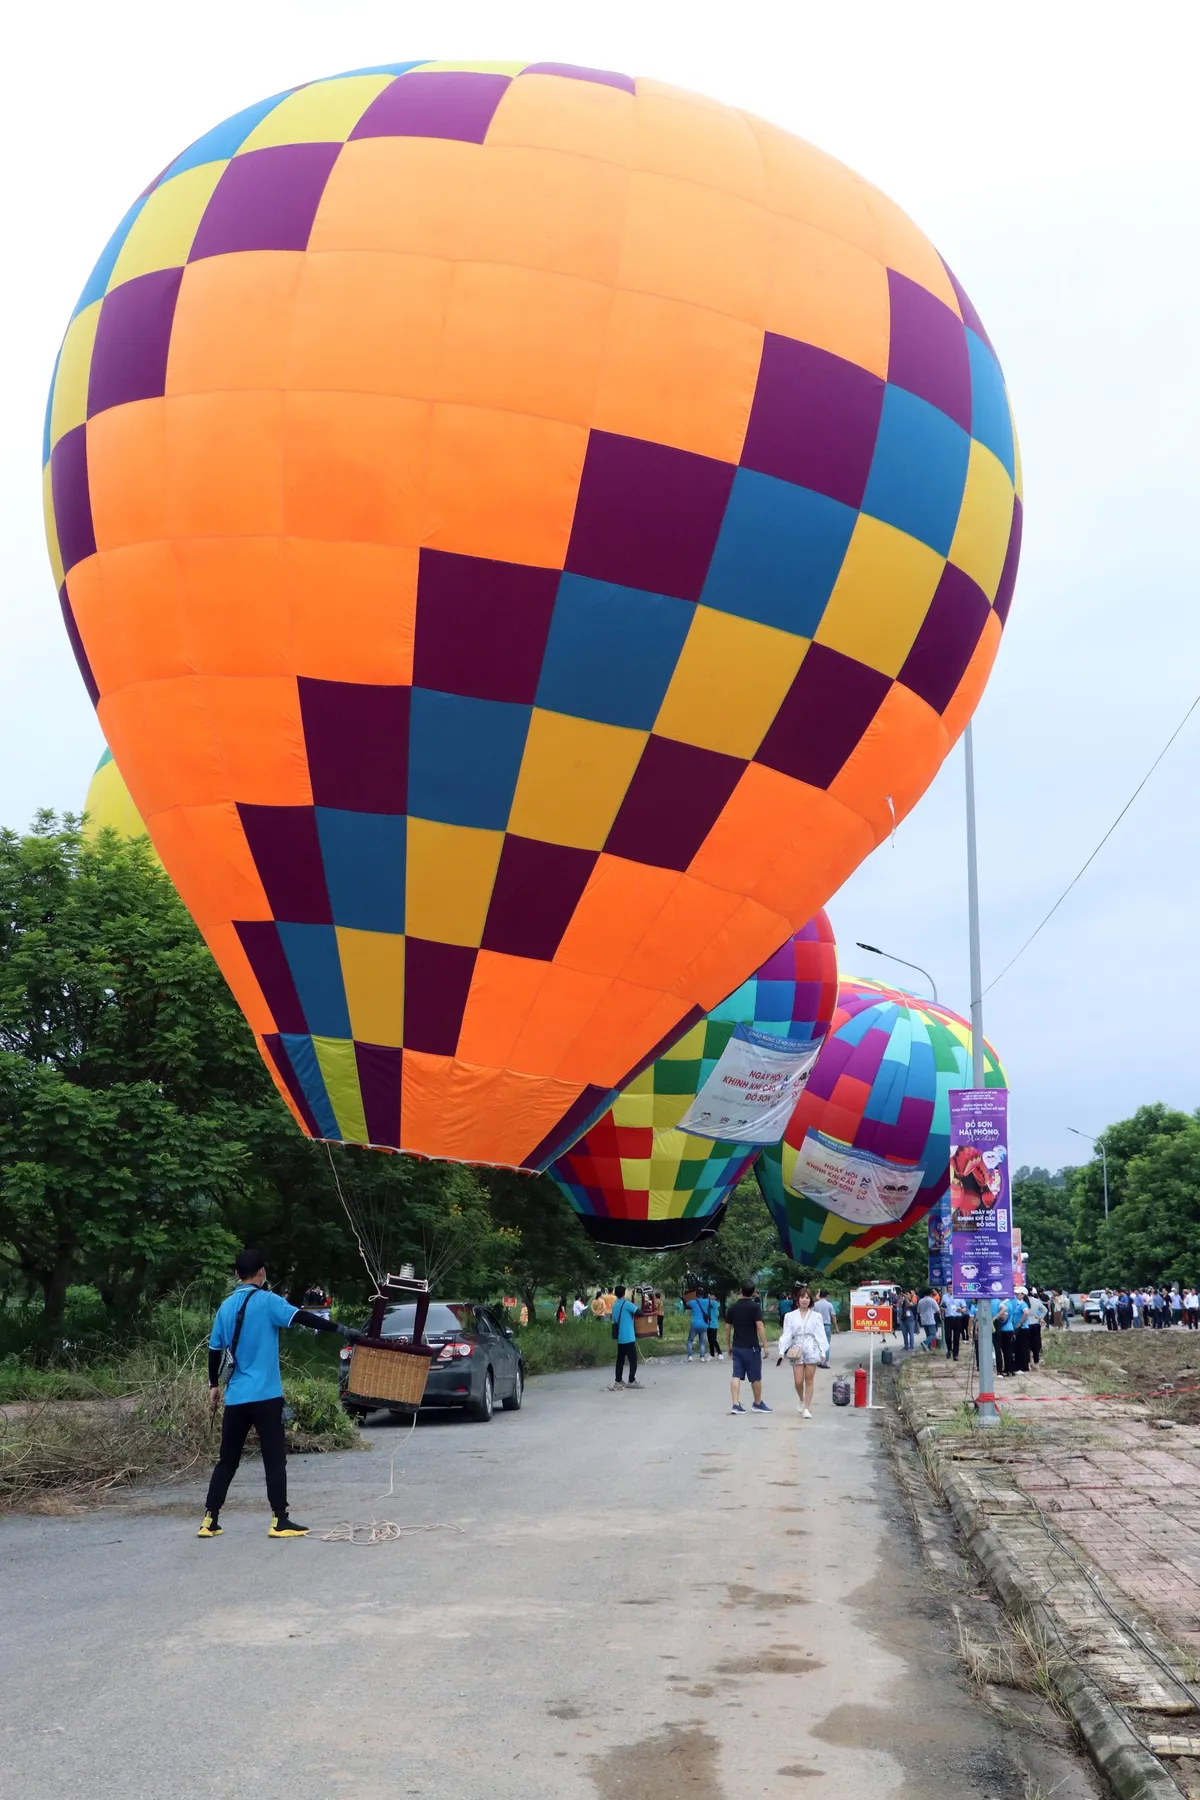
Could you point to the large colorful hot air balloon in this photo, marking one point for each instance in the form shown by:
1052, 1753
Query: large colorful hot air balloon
529, 533
635, 1178
879, 1092
109, 803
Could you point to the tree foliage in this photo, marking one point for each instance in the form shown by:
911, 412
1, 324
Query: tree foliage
141, 1140
1042, 1209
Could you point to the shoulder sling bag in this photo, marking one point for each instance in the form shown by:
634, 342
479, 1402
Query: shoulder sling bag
229, 1358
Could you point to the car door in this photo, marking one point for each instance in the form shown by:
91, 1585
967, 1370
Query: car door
504, 1357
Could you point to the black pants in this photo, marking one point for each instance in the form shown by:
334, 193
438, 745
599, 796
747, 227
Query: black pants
1035, 1343
1020, 1339
265, 1417
1110, 1319
1006, 1353
714, 1348
627, 1353
955, 1329
661, 1324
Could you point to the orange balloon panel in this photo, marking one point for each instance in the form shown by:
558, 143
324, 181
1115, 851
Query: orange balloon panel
528, 532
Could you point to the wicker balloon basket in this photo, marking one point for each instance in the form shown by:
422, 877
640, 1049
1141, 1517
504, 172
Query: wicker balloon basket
389, 1377
645, 1326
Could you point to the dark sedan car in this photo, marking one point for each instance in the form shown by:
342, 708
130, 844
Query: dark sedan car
477, 1361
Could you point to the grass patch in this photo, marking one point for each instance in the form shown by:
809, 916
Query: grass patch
1025, 1660
1132, 1362
587, 1343
82, 1433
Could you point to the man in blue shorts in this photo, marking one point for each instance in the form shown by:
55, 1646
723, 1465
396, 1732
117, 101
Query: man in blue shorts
746, 1339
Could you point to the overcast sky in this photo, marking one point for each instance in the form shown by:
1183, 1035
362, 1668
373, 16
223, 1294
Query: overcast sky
1051, 152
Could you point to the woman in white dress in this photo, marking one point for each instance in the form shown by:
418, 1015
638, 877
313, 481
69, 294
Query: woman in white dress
805, 1344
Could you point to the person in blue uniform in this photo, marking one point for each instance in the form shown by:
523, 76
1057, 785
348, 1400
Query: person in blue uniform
247, 1325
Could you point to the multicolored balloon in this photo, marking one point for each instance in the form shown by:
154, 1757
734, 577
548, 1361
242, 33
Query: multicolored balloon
881, 1085
109, 804
529, 533
634, 1178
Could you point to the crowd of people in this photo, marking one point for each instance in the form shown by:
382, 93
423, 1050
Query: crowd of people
1153, 1308
1017, 1322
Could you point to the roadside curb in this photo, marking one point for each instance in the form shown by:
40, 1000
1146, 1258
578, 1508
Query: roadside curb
1132, 1771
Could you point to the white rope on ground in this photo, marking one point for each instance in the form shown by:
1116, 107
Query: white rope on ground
384, 1531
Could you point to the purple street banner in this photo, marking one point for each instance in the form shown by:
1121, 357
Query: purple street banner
980, 1204
941, 1267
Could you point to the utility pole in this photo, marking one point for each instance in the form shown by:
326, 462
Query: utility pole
986, 1411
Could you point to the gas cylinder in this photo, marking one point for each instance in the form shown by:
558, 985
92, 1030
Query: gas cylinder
860, 1387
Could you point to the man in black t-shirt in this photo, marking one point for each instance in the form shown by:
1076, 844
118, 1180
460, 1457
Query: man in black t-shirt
746, 1339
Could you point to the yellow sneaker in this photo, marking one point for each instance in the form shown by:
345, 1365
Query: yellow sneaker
209, 1528
285, 1527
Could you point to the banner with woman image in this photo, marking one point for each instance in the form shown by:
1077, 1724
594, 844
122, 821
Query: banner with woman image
980, 1200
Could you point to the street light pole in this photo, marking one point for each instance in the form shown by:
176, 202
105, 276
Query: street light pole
1103, 1160
986, 1410
876, 951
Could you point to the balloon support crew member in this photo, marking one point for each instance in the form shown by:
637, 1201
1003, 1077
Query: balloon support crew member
254, 1392
624, 1313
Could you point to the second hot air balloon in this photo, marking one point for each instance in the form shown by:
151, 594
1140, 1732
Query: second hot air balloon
639, 1178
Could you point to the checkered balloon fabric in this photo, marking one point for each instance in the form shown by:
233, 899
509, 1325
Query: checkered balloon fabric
881, 1084
636, 1179
528, 534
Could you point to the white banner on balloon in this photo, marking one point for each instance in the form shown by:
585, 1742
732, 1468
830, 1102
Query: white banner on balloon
855, 1184
752, 1092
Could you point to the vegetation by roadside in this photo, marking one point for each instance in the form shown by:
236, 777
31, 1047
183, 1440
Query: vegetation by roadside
1145, 1364
73, 1435
587, 1343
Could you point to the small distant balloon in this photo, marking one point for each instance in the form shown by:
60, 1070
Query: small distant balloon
109, 804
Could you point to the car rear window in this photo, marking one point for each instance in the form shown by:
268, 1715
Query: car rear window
443, 1321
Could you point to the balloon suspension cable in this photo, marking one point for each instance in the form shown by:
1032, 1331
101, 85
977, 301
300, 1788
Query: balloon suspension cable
374, 1270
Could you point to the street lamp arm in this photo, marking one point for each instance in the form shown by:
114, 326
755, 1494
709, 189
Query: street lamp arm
904, 962
1097, 1144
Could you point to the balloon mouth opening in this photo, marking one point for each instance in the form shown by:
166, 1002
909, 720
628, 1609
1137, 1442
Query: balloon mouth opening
652, 1234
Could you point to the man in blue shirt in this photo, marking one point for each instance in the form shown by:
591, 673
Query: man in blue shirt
714, 1327
698, 1325
247, 1325
624, 1313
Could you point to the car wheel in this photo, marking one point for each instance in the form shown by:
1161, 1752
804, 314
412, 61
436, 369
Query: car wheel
513, 1403
481, 1410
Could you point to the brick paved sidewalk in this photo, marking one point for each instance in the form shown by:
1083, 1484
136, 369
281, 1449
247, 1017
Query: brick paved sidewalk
1121, 1495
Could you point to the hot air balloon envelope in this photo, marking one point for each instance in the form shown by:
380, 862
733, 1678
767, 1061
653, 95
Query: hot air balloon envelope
529, 533
109, 805
867, 1151
636, 1178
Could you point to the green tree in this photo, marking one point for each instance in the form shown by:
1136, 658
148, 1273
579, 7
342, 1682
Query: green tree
121, 1060
743, 1248
1123, 1141
1154, 1235
116, 1182
1043, 1212
547, 1246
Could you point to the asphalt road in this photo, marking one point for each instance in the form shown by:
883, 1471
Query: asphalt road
644, 1599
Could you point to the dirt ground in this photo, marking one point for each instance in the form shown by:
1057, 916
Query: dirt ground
1139, 1363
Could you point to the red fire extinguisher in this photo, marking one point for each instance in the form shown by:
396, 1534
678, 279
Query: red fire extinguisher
860, 1387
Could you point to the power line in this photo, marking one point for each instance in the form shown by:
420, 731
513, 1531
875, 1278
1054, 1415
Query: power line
1099, 847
